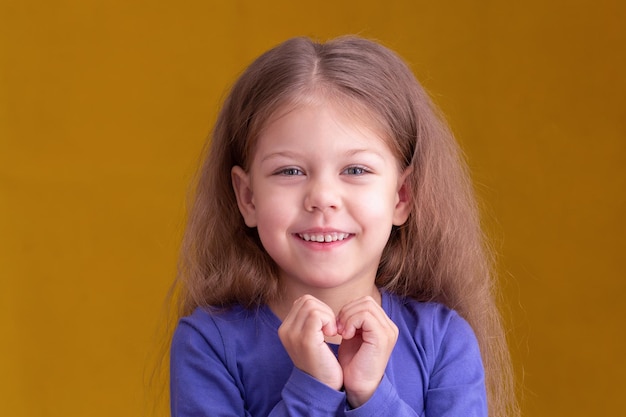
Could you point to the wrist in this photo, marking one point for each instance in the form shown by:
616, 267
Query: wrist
357, 399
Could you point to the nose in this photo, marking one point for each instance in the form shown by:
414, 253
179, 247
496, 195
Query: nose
322, 194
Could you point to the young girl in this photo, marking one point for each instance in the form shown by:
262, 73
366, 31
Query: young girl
333, 262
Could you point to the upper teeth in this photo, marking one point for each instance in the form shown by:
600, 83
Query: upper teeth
324, 237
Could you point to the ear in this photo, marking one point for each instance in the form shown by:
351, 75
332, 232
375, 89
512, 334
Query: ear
403, 199
243, 192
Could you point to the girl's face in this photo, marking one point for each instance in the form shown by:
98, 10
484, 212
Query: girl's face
323, 194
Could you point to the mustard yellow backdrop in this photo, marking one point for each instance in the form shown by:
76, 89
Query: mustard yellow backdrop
104, 106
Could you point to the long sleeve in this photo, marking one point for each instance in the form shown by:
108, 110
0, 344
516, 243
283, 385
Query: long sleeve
232, 364
304, 396
384, 403
211, 376
205, 382
200, 384
457, 385
435, 369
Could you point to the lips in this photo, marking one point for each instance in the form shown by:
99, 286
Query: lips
324, 237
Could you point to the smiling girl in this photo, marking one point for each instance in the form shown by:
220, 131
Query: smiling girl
333, 262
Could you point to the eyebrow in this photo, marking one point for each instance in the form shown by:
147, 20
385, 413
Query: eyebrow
283, 154
353, 152
290, 154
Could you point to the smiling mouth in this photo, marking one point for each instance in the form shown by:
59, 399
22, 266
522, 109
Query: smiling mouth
323, 237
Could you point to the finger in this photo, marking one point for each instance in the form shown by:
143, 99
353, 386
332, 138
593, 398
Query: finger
318, 321
309, 316
366, 315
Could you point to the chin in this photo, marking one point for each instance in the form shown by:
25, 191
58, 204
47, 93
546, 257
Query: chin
325, 281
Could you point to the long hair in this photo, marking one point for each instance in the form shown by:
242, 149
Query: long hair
439, 254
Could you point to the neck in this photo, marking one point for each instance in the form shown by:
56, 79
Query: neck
335, 298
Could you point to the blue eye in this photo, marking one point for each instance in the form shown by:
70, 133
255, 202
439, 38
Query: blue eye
355, 170
290, 171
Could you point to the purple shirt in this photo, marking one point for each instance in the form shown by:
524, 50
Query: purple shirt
232, 363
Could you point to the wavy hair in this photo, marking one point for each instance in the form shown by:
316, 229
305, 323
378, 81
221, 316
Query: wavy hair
439, 254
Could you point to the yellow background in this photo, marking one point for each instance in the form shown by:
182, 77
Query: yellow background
104, 106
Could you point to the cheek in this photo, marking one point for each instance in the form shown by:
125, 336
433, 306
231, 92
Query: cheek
273, 229
378, 204
274, 214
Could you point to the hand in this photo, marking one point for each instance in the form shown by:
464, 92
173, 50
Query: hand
368, 338
302, 334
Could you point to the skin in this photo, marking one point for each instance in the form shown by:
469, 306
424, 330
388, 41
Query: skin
324, 192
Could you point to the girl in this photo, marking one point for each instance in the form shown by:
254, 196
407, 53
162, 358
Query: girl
333, 262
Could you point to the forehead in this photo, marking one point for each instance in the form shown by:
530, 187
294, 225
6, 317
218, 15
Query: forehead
345, 110
314, 121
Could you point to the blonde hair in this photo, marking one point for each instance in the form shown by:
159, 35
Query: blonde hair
439, 254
